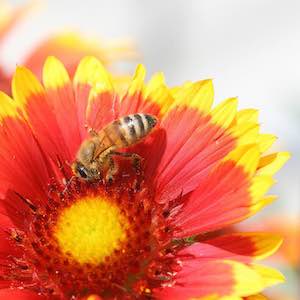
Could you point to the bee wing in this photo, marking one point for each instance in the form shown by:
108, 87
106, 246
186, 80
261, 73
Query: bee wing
103, 146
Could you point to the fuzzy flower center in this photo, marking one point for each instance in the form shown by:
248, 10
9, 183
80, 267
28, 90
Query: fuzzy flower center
92, 238
90, 229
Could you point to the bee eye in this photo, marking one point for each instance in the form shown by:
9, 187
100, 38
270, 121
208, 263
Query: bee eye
82, 172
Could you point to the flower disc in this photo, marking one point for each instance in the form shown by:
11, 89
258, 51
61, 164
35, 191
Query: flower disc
90, 230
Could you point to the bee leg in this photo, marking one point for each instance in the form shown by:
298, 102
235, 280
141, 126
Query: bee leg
112, 169
67, 185
137, 165
136, 162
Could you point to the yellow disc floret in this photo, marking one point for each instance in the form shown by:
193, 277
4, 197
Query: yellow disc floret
90, 229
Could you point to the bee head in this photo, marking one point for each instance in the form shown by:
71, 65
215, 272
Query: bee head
85, 173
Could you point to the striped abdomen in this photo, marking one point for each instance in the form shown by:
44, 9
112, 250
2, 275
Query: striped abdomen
128, 130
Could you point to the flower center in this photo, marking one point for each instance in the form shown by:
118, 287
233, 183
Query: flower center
90, 229
94, 239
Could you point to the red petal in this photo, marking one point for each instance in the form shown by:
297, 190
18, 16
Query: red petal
89, 74
194, 146
28, 92
222, 198
103, 109
14, 294
81, 97
6, 244
136, 103
46, 128
4, 82
195, 280
24, 166
135, 100
61, 99
219, 278
257, 245
203, 252
63, 103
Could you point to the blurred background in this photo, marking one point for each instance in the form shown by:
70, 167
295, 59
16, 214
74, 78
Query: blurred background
251, 49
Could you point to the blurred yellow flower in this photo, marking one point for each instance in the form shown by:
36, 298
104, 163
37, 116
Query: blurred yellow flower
69, 47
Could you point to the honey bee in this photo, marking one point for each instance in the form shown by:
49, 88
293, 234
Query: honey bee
96, 152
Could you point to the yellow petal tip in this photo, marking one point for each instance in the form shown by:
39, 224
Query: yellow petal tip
55, 74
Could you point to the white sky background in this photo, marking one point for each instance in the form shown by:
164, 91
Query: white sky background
250, 47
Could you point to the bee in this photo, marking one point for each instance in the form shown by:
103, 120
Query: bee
96, 152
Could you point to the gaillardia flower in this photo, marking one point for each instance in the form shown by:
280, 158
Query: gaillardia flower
203, 169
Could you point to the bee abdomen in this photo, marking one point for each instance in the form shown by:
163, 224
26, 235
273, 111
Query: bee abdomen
136, 126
